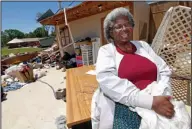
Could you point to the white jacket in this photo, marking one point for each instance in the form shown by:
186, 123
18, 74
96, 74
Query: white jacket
114, 89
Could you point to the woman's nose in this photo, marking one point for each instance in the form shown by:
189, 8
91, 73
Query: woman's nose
124, 28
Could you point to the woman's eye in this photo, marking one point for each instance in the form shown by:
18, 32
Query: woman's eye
118, 27
126, 25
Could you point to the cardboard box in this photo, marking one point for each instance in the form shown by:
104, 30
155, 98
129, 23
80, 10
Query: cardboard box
26, 76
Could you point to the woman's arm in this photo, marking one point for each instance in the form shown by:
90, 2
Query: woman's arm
163, 68
117, 89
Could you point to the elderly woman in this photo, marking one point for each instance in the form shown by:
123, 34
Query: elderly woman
123, 69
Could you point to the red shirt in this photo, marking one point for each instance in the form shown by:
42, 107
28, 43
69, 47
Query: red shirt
137, 69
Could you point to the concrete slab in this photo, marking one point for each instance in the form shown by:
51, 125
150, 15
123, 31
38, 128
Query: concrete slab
34, 105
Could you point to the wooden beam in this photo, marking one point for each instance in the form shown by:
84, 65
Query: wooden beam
59, 40
66, 46
66, 23
72, 9
91, 9
107, 9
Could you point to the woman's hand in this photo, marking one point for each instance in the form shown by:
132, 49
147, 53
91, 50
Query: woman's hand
163, 106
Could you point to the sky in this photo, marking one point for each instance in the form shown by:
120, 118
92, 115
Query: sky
22, 15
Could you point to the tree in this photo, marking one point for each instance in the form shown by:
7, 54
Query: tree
26, 35
40, 32
10, 34
13, 33
53, 33
4, 39
38, 15
46, 27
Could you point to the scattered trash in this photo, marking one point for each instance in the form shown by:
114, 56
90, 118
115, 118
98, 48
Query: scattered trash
47, 66
58, 67
11, 55
37, 65
4, 77
61, 122
16, 76
60, 93
13, 86
3, 95
64, 69
38, 73
52, 65
9, 80
23, 72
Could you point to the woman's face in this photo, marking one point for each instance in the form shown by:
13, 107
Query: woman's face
122, 30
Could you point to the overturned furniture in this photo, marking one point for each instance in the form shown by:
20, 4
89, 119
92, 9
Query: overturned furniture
173, 43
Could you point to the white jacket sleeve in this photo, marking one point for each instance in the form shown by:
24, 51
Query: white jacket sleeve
163, 68
117, 89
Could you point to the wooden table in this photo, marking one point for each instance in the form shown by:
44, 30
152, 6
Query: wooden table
79, 91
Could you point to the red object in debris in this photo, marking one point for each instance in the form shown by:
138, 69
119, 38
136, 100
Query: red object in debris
79, 61
78, 57
79, 65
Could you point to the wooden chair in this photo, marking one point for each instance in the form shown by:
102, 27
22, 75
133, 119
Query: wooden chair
173, 43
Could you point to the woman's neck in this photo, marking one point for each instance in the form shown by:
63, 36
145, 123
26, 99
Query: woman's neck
124, 46
120, 43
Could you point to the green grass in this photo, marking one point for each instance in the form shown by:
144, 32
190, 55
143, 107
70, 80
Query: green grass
6, 51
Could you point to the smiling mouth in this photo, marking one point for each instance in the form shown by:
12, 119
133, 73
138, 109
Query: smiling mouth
125, 35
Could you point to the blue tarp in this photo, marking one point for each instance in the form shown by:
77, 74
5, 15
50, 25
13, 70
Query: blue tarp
13, 86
